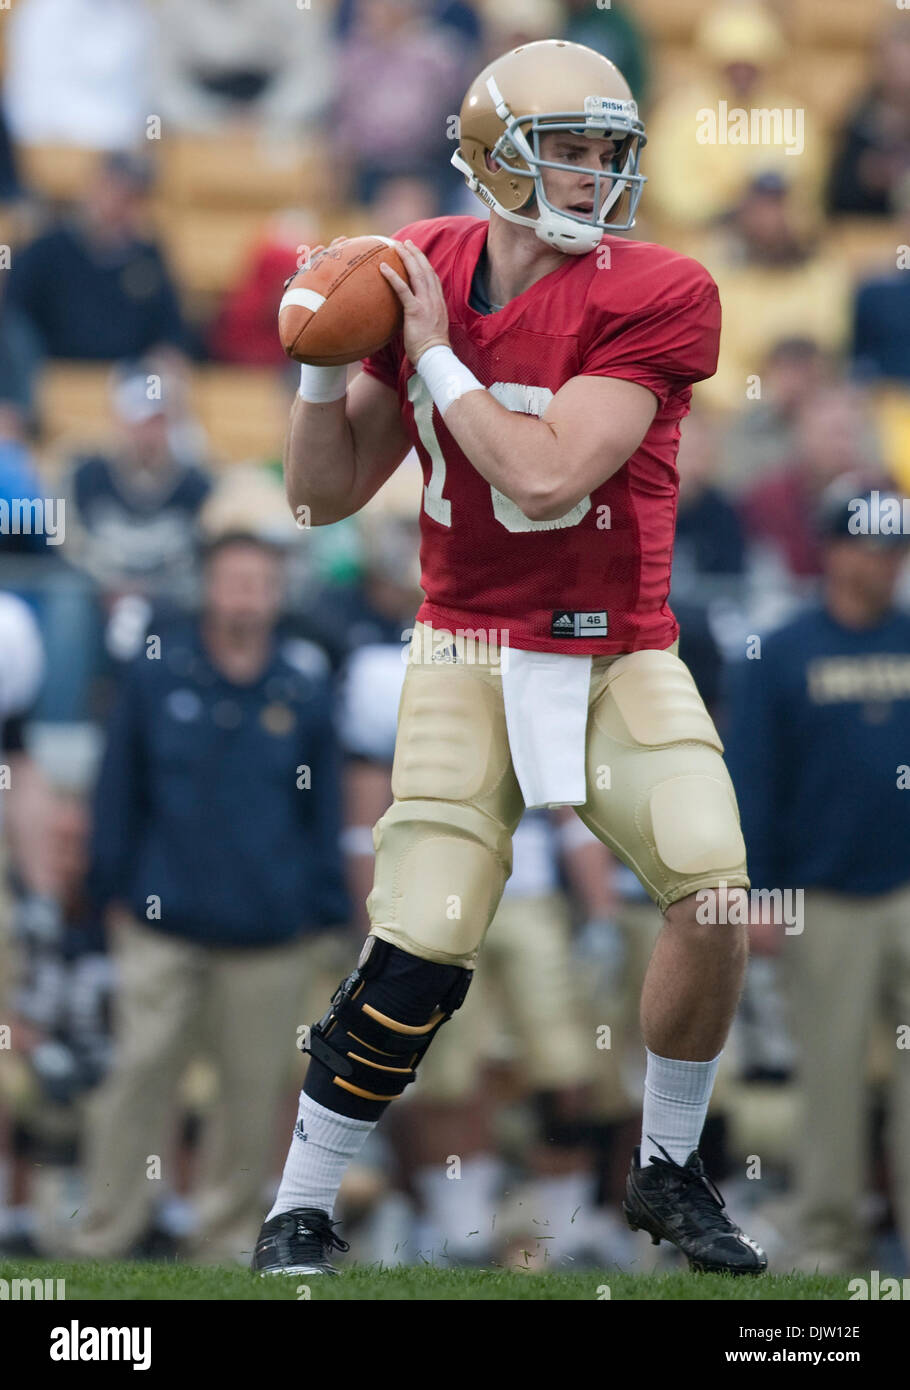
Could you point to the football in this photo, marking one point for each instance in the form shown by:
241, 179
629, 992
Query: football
339, 308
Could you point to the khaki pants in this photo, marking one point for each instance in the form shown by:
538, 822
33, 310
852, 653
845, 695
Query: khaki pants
849, 973
242, 1008
659, 794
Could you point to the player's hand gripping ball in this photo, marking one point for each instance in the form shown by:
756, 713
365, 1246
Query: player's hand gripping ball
339, 307
426, 316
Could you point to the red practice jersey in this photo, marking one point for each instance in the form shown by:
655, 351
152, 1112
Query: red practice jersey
597, 579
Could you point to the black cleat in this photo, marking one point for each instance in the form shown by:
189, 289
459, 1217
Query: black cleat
297, 1242
680, 1204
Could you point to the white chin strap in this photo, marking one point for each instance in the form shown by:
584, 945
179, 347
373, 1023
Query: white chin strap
566, 234
571, 237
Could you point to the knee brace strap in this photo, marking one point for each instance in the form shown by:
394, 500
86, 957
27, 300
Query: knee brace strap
383, 1018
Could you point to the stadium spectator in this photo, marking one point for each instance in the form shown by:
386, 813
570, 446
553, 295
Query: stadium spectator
244, 329
77, 72
416, 74
460, 15
215, 856
19, 357
834, 437
249, 62
881, 327
817, 746
760, 437
696, 171
509, 23
774, 283
613, 31
133, 512
95, 286
870, 173
709, 538
132, 515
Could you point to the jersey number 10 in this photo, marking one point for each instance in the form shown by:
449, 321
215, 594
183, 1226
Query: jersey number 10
528, 400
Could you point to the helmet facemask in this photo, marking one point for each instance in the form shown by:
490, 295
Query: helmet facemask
617, 190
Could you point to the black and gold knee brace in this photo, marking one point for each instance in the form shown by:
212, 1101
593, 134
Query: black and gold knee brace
381, 1021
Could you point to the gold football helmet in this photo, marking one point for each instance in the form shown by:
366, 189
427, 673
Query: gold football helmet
551, 85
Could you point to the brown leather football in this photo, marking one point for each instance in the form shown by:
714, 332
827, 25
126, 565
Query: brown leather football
340, 307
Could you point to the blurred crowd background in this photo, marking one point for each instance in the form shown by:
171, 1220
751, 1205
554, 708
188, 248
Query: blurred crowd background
183, 669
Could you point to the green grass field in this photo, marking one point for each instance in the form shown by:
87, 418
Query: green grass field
98, 1281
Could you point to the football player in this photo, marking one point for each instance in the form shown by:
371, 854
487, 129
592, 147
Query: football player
542, 373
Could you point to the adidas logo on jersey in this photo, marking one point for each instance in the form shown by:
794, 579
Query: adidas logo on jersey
448, 654
566, 623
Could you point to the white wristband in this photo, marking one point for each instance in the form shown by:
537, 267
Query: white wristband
322, 384
446, 378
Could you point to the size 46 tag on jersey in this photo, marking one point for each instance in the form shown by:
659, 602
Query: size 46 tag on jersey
567, 623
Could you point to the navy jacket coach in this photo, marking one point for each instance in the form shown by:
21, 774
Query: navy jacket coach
198, 804
818, 746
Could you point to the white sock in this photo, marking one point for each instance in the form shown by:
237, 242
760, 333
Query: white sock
675, 1105
322, 1146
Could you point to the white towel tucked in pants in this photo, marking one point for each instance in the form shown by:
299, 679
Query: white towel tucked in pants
546, 703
